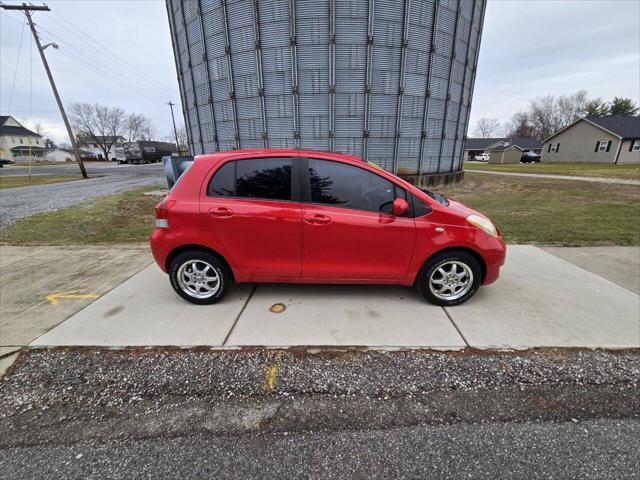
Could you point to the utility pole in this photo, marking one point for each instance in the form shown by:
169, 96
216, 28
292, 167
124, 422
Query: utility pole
27, 9
175, 130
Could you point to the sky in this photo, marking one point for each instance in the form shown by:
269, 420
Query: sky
119, 53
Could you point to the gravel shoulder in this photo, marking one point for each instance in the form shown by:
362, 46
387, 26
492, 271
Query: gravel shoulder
294, 413
22, 202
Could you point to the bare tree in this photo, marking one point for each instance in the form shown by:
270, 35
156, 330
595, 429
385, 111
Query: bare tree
487, 127
549, 114
139, 127
98, 124
570, 108
39, 129
183, 139
520, 125
543, 116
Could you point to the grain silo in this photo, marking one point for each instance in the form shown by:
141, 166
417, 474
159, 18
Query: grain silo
388, 80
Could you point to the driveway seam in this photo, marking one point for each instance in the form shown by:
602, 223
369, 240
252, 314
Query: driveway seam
456, 326
226, 339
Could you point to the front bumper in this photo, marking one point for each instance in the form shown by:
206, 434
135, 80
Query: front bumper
494, 259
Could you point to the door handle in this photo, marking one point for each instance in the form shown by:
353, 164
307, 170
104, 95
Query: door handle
317, 219
221, 212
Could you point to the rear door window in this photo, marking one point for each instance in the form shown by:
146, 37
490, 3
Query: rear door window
334, 183
261, 178
223, 182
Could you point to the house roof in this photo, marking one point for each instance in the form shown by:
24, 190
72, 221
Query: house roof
18, 132
490, 143
11, 130
621, 127
624, 127
525, 143
480, 143
503, 148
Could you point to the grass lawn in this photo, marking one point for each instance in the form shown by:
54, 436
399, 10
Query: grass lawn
527, 210
123, 218
577, 169
556, 212
11, 181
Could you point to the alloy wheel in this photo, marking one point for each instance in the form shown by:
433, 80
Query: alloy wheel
198, 279
451, 280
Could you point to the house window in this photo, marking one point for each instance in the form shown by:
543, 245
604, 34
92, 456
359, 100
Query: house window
603, 146
554, 147
635, 145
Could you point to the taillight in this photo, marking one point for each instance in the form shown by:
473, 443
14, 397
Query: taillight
162, 213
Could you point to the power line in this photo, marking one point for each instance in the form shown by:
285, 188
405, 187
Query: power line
115, 74
81, 33
15, 71
27, 9
103, 72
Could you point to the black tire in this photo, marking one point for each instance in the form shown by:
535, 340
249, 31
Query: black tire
221, 270
443, 259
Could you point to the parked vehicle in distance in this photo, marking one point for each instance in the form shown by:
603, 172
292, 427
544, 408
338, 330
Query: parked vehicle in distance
118, 155
295, 216
88, 157
483, 157
142, 152
530, 157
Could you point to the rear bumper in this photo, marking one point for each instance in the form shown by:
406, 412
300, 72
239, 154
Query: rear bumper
160, 248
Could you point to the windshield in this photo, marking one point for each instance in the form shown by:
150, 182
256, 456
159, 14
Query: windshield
437, 197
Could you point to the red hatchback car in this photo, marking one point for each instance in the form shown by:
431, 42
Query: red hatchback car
296, 216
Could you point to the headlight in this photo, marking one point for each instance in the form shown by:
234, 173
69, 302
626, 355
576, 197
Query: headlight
483, 224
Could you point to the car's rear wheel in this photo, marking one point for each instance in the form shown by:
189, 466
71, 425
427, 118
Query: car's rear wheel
199, 277
450, 278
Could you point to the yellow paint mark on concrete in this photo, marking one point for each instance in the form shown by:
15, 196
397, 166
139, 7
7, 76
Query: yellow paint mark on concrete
54, 298
271, 375
277, 308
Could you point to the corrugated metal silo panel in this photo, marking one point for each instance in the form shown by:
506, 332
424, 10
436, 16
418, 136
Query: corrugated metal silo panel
418, 92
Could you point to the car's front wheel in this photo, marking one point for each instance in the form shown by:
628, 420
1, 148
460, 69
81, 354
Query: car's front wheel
199, 277
450, 278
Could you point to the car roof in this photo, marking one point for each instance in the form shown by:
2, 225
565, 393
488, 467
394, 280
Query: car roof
204, 163
292, 152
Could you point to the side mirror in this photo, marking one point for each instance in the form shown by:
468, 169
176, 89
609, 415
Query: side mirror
400, 207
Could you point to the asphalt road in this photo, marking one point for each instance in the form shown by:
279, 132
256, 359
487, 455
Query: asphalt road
329, 414
107, 179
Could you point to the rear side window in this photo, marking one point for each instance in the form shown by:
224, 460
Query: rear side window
223, 182
265, 178
342, 185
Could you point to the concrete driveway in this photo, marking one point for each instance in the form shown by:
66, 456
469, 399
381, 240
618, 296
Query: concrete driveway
541, 300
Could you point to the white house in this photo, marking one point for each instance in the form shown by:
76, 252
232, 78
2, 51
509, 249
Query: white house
17, 143
116, 152
65, 155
